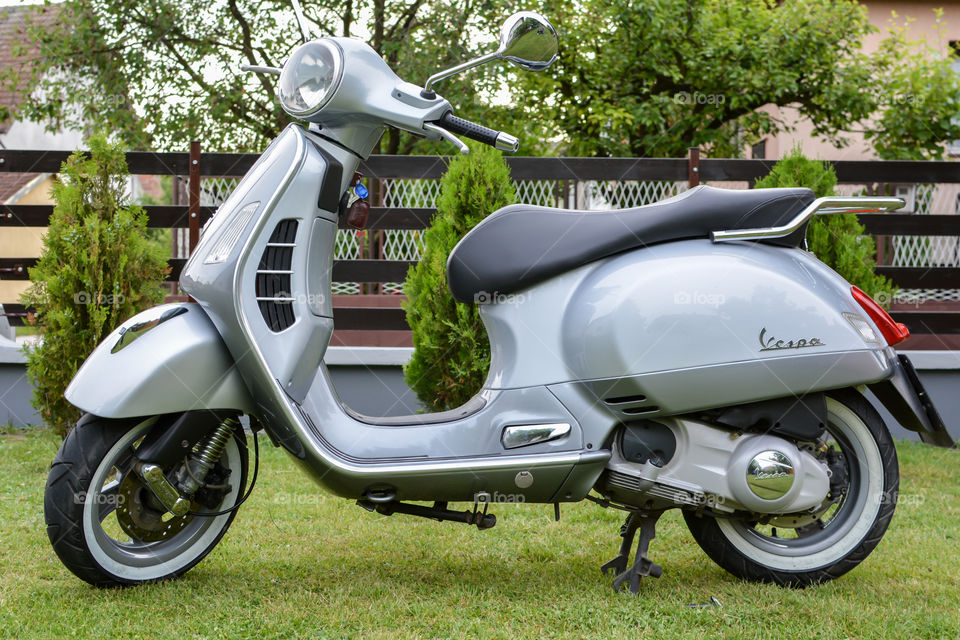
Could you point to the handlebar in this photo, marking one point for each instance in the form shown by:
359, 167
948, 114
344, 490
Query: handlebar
478, 132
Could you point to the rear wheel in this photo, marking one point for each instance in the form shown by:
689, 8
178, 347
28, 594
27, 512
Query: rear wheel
803, 549
109, 529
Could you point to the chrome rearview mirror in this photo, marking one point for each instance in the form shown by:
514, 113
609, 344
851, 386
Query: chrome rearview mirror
527, 39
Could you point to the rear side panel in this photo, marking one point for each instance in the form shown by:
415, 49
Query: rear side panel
699, 323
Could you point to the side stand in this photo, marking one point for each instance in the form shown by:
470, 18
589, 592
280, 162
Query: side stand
646, 522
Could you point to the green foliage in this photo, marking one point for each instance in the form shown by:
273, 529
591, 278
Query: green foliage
97, 268
162, 72
655, 77
452, 353
838, 240
533, 580
633, 78
919, 94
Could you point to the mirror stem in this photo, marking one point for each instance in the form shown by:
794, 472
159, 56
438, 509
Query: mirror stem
446, 73
301, 20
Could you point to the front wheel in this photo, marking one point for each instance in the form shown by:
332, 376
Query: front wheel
109, 529
803, 549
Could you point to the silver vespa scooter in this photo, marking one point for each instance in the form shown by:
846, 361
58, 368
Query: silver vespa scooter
686, 354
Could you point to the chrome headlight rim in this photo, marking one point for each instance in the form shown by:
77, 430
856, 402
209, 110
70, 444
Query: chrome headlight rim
290, 67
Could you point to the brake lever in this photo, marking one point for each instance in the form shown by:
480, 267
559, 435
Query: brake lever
449, 137
273, 71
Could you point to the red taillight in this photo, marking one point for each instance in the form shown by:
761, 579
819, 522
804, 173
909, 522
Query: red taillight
893, 332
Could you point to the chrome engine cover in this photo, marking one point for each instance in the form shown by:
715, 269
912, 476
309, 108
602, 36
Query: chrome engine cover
723, 470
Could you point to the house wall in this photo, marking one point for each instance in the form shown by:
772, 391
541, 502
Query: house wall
34, 135
23, 242
923, 26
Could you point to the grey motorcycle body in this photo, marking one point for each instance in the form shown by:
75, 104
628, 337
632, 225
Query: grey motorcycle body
659, 331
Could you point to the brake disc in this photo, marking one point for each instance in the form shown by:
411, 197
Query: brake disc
138, 516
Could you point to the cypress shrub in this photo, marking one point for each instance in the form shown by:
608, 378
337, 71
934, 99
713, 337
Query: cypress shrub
838, 240
97, 268
451, 351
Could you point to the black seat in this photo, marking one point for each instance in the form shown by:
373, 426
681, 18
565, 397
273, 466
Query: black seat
521, 245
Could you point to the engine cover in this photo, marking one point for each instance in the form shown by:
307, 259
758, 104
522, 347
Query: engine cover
768, 474
723, 470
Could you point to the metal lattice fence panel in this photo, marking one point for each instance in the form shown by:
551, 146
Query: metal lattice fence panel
348, 246
213, 191
410, 193
400, 245
927, 251
904, 251
616, 194
405, 244
542, 193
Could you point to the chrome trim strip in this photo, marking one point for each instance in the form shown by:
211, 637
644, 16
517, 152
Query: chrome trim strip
130, 332
521, 435
819, 206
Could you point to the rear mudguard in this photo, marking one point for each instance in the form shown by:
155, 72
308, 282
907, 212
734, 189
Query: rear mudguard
907, 401
166, 359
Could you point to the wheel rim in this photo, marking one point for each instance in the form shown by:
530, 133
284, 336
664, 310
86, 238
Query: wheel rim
135, 560
849, 521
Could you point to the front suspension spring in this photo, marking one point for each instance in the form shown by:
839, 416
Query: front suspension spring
214, 447
196, 467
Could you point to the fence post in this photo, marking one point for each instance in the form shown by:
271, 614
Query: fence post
693, 167
194, 218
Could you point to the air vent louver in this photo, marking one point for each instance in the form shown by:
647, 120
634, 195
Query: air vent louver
273, 286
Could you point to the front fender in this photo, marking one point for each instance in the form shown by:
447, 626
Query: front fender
166, 359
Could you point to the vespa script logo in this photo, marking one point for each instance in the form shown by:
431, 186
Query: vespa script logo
772, 343
771, 475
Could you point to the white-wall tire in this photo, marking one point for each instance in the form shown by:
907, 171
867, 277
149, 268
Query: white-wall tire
76, 509
855, 528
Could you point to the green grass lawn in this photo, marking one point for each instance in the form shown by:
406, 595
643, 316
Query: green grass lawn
297, 563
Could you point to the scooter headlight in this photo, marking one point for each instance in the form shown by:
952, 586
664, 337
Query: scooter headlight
310, 78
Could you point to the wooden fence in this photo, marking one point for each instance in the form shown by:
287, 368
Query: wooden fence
563, 171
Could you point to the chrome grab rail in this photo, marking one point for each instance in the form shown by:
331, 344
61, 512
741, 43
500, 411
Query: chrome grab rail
826, 205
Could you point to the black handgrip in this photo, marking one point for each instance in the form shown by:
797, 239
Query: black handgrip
472, 130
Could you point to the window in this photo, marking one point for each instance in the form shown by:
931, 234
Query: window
759, 150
